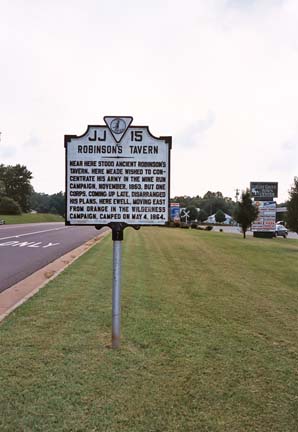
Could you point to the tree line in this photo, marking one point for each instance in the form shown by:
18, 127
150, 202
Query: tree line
244, 211
210, 203
18, 196
15, 189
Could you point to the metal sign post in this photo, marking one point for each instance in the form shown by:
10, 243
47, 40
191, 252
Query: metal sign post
116, 295
117, 175
117, 237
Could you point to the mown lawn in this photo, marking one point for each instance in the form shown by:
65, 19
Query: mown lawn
209, 340
31, 218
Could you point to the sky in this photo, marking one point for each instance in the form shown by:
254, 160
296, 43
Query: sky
219, 76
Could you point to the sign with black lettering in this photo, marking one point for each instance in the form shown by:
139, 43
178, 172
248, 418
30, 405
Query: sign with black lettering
117, 173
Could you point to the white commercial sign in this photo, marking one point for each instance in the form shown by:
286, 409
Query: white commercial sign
267, 217
117, 173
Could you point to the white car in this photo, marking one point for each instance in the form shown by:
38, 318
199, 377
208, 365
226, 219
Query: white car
2, 221
281, 230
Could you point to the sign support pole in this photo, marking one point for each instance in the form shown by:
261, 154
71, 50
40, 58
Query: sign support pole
116, 295
117, 237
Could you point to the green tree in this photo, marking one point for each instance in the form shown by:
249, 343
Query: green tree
57, 203
292, 206
202, 216
245, 212
44, 203
210, 203
210, 194
220, 216
2, 188
214, 201
192, 214
9, 207
17, 184
40, 202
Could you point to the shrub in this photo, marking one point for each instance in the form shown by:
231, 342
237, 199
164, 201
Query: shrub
220, 216
209, 228
8, 206
184, 225
172, 224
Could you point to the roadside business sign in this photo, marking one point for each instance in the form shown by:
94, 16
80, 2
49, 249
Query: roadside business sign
264, 190
117, 173
267, 217
175, 212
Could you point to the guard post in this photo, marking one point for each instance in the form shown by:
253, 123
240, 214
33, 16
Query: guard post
117, 175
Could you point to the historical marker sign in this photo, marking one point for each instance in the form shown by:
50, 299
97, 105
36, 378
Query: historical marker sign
117, 173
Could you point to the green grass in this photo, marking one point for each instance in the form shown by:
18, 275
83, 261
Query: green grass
31, 218
209, 340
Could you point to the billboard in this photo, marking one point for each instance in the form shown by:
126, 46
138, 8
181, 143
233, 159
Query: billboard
264, 190
266, 218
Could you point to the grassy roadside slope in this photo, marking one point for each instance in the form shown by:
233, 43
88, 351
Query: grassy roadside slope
31, 218
210, 340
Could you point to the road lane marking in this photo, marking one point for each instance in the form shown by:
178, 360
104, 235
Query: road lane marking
17, 243
50, 245
32, 233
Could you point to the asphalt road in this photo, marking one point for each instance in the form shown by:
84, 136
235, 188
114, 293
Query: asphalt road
26, 248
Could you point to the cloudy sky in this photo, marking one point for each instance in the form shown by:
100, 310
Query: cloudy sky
220, 76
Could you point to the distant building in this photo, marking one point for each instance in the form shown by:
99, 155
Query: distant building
228, 221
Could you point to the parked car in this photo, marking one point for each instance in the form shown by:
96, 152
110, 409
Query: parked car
281, 230
2, 221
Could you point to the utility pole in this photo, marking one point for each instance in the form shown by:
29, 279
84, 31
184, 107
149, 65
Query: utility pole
237, 194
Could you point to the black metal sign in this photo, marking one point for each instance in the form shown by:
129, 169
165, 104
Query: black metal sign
262, 190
